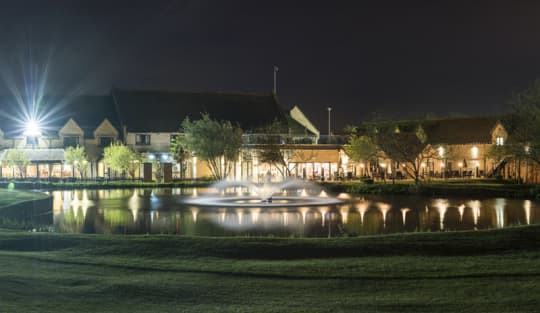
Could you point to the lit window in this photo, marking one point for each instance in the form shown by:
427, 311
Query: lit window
474, 152
499, 141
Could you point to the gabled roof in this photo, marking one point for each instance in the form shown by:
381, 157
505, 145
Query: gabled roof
87, 111
164, 111
455, 130
464, 130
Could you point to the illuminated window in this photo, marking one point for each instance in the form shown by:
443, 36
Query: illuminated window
474, 152
499, 141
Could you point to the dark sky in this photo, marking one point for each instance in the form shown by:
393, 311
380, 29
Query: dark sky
394, 58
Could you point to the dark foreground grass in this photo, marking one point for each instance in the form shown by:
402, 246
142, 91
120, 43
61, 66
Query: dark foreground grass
485, 271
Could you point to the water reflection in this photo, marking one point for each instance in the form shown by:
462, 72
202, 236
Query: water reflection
161, 211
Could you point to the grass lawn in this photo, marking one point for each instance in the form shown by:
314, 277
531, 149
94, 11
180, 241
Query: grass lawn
484, 271
8, 197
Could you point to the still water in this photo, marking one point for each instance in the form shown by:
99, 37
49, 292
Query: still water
157, 211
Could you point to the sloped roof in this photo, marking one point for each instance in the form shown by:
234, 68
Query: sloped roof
455, 130
164, 111
87, 111
40, 155
299, 120
464, 130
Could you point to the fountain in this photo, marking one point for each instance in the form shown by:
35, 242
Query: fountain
290, 193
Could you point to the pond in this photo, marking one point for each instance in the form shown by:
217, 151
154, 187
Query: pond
162, 211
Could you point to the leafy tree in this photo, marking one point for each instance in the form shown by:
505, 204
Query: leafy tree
180, 155
76, 157
122, 159
271, 149
17, 158
216, 142
408, 147
524, 124
361, 148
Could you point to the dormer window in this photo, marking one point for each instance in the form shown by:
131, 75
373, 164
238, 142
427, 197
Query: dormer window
71, 141
499, 141
105, 141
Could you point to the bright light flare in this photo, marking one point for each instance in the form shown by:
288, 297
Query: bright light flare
32, 128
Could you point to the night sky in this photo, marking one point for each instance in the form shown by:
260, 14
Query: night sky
394, 59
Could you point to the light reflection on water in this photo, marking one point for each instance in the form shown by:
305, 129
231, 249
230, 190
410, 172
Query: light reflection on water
161, 211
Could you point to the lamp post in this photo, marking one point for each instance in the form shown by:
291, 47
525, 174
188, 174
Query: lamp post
329, 110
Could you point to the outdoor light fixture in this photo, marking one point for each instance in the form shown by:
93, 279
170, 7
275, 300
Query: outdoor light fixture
441, 152
151, 156
32, 129
474, 152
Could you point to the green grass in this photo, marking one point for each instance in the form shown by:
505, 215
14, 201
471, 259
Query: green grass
8, 198
484, 271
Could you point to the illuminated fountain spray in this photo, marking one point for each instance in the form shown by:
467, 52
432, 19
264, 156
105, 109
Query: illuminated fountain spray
404, 214
303, 212
442, 207
254, 212
500, 203
362, 207
344, 210
475, 206
527, 208
383, 208
323, 210
461, 210
265, 195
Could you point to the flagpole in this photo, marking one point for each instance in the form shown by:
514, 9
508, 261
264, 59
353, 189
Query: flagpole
275, 79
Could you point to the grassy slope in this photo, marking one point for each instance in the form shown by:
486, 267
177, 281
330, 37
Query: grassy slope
486, 271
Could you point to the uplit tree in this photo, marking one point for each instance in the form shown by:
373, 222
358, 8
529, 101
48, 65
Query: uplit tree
180, 155
361, 148
216, 142
524, 123
17, 158
408, 147
76, 157
122, 159
272, 150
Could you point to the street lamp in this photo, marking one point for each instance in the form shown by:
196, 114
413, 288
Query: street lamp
329, 110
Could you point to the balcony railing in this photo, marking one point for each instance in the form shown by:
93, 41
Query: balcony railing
283, 139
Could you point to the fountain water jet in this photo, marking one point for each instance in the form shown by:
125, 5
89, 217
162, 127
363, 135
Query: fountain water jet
291, 193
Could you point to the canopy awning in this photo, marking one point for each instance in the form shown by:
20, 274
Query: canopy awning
315, 156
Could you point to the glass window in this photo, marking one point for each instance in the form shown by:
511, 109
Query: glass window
32, 140
105, 141
71, 141
499, 141
142, 139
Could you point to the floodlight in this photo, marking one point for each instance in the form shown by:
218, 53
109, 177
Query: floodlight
32, 129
